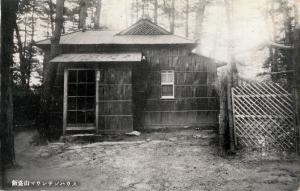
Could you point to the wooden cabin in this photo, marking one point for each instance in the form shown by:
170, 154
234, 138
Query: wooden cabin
144, 77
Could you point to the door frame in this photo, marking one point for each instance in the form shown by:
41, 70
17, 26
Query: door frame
65, 96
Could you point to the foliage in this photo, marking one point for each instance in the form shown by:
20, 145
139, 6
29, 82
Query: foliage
25, 28
281, 13
26, 107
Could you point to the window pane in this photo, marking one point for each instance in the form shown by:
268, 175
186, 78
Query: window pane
80, 103
71, 117
90, 75
81, 89
90, 90
167, 90
81, 76
72, 76
72, 90
90, 117
163, 77
90, 103
80, 117
81, 96
71, 103
167, 77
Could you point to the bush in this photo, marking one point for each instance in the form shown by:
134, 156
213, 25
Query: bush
26, 108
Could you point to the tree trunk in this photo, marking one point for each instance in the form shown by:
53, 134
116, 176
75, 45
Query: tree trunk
98, 14
21, 55
30, 48
172, 26
51, 12
168, 11
155, 11
9, 9
232, 77
137, 9
187, 19
82, 14
223, 117
50, 73
288, 41
143, 8
199, 21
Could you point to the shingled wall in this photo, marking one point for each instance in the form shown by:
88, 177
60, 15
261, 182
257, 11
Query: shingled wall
195, 103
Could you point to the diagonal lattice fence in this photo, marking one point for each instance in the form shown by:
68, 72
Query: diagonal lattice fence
264, 116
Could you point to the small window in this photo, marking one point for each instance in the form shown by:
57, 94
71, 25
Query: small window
167, 84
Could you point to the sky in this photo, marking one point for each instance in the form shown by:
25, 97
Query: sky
249, 30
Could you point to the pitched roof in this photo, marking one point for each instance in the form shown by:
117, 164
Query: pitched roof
144, 27
99, 57
143, 32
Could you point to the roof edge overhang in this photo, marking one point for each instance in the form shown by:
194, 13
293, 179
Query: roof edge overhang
125, 57
192, 45
217, 62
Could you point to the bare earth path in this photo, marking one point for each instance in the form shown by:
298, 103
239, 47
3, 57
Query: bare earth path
182, 160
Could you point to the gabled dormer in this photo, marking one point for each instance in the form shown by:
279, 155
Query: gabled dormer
144, 27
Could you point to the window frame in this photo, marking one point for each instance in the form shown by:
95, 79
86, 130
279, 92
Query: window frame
66, 125
167, 84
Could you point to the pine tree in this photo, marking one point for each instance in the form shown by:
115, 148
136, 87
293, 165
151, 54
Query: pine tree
82, 14
187, 7
8, 11
27, 15
49, 73
280, 13
200, 10
98, 14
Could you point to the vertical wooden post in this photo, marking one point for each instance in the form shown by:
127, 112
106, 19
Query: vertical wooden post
232, 70
98, 76
234, 123
66, 73
230, 113
296, 64
297, 85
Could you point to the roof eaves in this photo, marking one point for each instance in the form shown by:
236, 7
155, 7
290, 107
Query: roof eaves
40, 41
217, 62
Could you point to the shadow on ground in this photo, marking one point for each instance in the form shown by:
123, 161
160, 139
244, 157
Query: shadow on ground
179, 160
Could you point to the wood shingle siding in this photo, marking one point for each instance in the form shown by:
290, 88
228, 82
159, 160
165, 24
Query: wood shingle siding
195, 101
115, 105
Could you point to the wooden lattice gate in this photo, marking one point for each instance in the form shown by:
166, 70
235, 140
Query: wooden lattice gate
264, 116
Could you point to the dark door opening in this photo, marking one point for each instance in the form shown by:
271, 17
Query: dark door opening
81, 99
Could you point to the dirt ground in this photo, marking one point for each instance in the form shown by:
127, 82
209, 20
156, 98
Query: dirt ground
181, 160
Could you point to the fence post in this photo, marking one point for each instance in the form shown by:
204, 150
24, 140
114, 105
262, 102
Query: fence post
297, 104
297, 110
230, 117
296, 62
